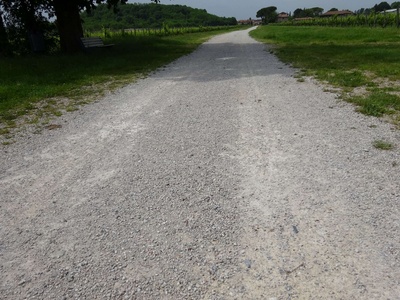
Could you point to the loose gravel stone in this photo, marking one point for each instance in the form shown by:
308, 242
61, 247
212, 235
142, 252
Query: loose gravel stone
187, 185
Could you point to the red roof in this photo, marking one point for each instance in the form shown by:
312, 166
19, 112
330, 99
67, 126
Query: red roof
283, 15
339, 13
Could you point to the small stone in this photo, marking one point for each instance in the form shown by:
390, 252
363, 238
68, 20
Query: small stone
213, 270
22, 282
247, 262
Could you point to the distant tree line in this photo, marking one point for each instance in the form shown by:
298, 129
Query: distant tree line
371, 17
378, 8
151, 16
317, 11
269, 14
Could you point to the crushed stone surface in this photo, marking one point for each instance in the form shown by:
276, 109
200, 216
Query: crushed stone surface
218, 177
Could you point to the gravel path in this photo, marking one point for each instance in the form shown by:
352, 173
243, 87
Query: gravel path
219, 177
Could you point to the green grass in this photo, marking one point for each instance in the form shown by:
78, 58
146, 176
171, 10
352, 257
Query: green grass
377, 103
382, 145
26, 82
346, 58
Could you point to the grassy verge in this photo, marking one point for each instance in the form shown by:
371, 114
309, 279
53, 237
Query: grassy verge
362, 62
36, 86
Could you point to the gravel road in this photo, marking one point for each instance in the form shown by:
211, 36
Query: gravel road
218, 177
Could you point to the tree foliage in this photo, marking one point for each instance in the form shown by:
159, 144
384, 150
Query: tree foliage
267, 14
25, 20
151, 16
382, 7
308, 12
378, 8
19, 19
395, 4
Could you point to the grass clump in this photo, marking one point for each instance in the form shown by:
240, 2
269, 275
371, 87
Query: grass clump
377, 103
4, 131
346, 58
383, 145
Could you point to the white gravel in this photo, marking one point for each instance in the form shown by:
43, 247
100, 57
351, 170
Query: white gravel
219, 177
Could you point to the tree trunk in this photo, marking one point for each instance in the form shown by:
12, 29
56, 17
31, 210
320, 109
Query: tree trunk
69, 25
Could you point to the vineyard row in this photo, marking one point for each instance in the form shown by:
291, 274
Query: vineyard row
372, 20
164, 31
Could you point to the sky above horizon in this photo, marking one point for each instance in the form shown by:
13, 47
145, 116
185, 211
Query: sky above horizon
244, 9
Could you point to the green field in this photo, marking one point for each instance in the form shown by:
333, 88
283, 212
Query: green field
363, 62
46, 85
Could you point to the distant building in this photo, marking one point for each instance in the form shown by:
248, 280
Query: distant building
339, 13
245, 22
250, 22
282, 17
389, 11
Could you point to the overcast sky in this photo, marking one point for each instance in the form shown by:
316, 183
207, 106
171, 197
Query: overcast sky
244, 9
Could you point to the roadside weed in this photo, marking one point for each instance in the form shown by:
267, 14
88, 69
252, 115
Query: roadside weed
377, 103
382, 145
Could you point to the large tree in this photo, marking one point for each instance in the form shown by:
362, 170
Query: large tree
66, 13
68, 20
267, 14
308, 12
298, 13
382, 7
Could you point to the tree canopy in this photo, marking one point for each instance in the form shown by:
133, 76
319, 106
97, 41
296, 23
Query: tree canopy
267, 14
28, 17
308, 12
382, 7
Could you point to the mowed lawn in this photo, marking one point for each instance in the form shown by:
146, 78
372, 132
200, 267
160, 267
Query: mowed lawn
355, 59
